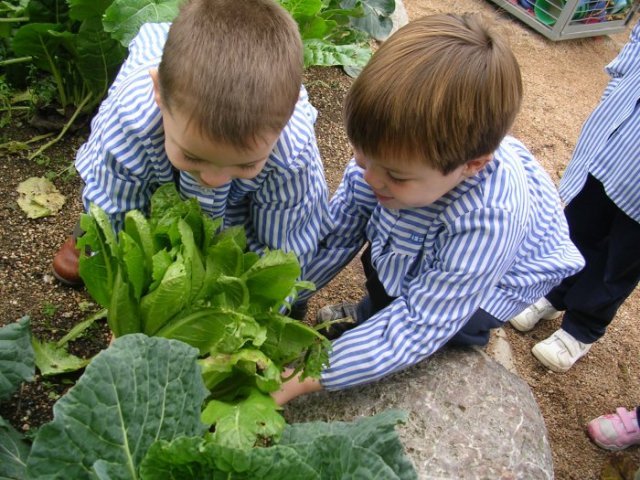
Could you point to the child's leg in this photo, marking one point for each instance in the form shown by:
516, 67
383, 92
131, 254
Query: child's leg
377, 297
476, 331
610, 242
589, 216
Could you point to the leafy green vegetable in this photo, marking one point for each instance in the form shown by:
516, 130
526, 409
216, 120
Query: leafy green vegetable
173, 275
53, 360
13, 452
16, 356
368, 448
239, 424
137, 391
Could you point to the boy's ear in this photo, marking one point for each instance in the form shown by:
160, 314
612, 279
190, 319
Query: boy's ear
156, 86
472, 167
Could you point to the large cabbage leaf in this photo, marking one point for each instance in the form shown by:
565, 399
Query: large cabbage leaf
136, 392
17, 362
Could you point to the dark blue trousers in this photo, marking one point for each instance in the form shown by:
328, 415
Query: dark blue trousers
609, 240
475, 332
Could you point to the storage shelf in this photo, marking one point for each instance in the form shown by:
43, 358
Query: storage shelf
570, 19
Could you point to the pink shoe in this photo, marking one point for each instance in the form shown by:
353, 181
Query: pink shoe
615, 431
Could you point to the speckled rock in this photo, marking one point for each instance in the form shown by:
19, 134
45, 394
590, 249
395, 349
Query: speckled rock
469, 417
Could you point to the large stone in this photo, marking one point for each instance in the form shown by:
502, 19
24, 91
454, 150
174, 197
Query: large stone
469, 417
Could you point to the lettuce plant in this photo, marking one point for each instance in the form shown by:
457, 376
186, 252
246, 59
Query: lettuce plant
174, 275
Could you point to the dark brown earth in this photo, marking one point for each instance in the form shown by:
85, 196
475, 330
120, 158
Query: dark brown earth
563, 83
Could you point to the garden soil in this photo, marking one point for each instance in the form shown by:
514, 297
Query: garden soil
563, 82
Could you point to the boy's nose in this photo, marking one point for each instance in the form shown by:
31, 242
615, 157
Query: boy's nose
372, 178
215, 178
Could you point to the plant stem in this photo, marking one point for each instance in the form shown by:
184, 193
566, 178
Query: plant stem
11, 61
14, 20
66, 127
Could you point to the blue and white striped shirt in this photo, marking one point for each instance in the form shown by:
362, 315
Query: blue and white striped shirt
498, 241
609, 144
124, 161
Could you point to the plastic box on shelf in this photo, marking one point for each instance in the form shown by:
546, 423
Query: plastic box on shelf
568, 19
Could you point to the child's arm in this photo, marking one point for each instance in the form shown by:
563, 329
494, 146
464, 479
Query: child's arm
294, 388
344, 230
476, 251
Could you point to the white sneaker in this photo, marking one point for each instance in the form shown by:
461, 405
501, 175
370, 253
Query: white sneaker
560, 351
530, 316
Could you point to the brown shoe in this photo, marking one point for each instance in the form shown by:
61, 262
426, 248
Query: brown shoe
66, 262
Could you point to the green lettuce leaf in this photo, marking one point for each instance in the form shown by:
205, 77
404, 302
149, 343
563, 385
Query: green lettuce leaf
54, 360
240, 424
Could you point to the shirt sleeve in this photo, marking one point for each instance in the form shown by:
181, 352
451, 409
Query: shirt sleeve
477, 251
344, 230
626, 61
114, 163
288, 209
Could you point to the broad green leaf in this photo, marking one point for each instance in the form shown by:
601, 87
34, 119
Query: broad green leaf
16, 356
301, 10
161, 261
124, 314
272, 278
137, 226
164, 200
84, 9
133, 263
225, 258
125, 17
325, 54
53, 360
193, 262
97, 269
218, 329
376, 21
36, 40
252, 363
337, 456
47, 11
241, 424
13, 452
196, 459
235, 235
234, 293
376, 433
158, 306
98, 58
286, 339
209, 227
136, 392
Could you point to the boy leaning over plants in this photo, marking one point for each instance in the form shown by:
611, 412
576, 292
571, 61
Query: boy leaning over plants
463, 226
213, 102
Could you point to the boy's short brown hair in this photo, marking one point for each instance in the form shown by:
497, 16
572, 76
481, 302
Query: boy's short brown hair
234, 67
444, 88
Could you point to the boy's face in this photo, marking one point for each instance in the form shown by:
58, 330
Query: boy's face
412, 184
211, 163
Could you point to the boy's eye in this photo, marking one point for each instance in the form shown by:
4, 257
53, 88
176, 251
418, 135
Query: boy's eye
397, 180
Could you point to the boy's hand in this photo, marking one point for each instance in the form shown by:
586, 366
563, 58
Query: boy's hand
293, 387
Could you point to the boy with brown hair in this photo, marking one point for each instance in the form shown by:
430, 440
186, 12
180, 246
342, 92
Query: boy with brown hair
463, 226
214, 102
